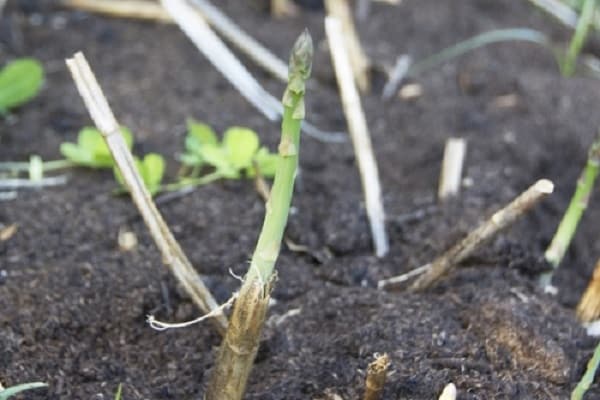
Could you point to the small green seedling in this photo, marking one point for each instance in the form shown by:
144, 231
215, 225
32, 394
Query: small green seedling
584, 26
20, 81
236, 156
119, 389
588, 378
7, 393
151, 169
91, 149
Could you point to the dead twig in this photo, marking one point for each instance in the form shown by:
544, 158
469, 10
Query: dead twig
452, 166
485, 232
376, 376
173, 255
359, 133
135, 9
588, 308
340, 9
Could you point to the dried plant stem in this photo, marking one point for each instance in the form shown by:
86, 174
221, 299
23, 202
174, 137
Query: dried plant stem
243, 41
359, 132
568, 225
340, 9
588, 308
172, 253
137, 9
452, 166
376, 376
238, 349
486, 231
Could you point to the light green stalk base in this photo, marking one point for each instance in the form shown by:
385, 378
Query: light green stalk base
566, 230
581, 32
238, 350
588, 377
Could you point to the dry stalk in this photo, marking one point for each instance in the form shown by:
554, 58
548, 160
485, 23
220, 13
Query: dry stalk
485, 232
588, 308
359, 133
136, 9
452, 166
172, 253
376, 376
340, 9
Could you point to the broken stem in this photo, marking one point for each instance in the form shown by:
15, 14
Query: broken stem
359, 132
588, 308
238, 349
452, 166
340, 9
568, 225
500, 220
376, 376
173, 255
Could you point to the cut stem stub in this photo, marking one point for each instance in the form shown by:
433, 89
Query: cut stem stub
173, 255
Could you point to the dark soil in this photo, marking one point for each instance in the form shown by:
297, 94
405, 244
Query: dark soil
73, 306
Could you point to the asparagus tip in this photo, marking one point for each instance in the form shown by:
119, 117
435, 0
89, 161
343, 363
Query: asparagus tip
302, 54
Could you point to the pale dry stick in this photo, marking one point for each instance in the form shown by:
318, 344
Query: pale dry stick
262, 56
588, 308
173, 255
399, 72
255, 51
376, 377
209, 44
486, 231
213, 48
452, 166
398, 280
558, 10
449, 392
359, 133
340, 9
136, 9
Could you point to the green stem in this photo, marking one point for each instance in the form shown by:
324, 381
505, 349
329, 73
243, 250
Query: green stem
238, 350
568, 225
191, 182
47, 166
588, 377
13, 390
581, 32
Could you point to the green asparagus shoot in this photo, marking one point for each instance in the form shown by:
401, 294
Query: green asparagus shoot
91, 149
119, 389
584, 25
588, 378
20, 81
568, 225
5, 394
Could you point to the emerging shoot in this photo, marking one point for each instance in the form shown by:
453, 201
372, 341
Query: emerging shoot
238, 349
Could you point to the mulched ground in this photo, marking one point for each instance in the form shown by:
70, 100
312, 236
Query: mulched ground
73, 306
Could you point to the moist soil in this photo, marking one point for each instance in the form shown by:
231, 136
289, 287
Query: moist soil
73, 306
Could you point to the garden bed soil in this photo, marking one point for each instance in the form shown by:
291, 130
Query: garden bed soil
73, 306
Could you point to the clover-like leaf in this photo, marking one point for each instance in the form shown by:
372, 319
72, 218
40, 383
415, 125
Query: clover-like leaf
217, 157
241, 144
266, 162
91, 149
20, 81
152, 169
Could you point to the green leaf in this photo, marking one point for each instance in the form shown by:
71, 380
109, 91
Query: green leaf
201, 133
266, 162
20, 81
91, 149
218, 158
11, 391
152, 171
241, 144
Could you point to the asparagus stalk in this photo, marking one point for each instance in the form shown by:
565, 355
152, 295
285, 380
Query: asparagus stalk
238, 349
566, 229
